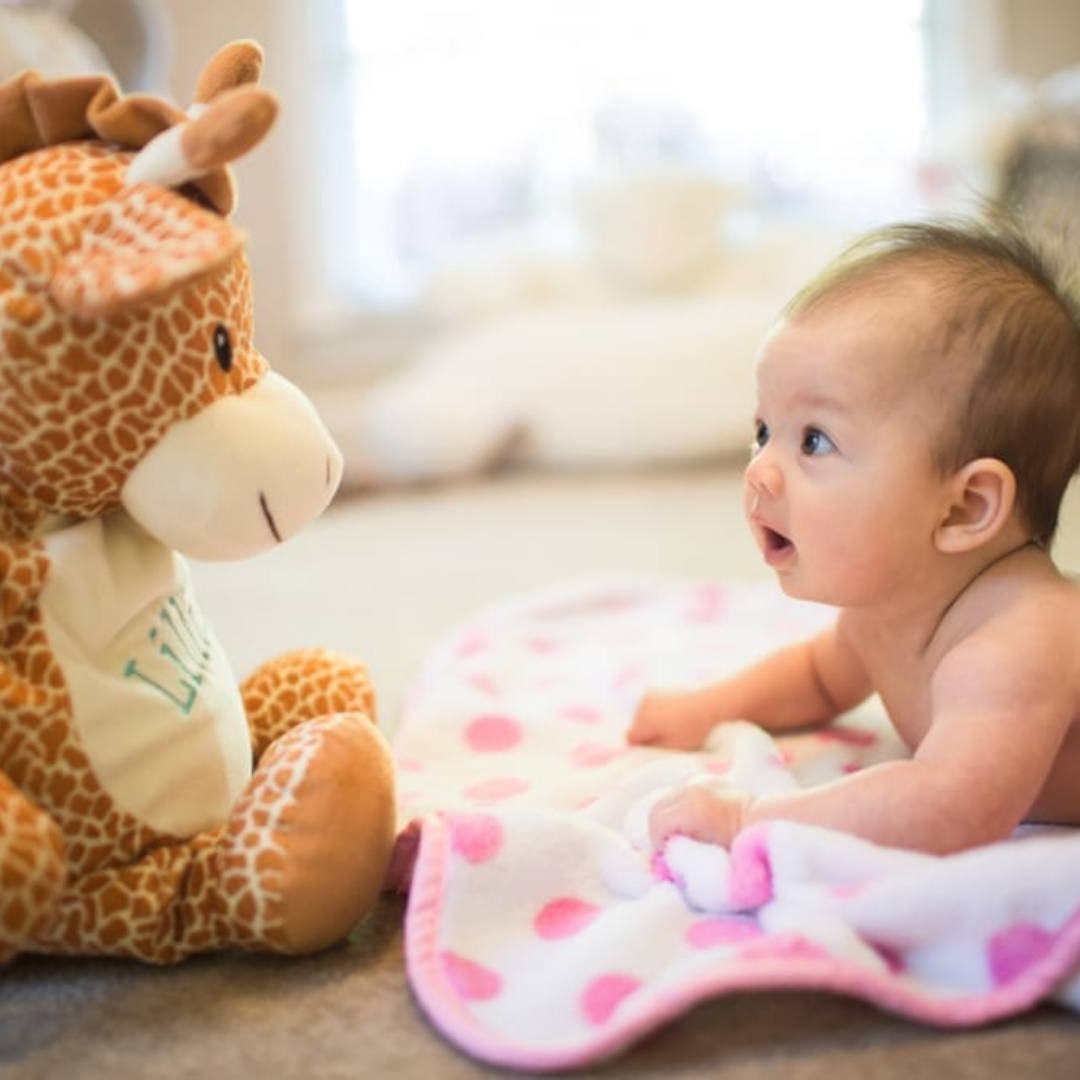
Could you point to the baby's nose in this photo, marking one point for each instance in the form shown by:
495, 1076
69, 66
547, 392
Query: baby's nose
764, 477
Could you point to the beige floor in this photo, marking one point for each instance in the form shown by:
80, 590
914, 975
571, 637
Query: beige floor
384, 577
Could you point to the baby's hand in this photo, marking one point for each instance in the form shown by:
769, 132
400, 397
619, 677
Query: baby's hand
702, 813
673, 720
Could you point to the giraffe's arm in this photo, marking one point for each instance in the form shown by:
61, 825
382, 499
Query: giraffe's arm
32, 869
299, 686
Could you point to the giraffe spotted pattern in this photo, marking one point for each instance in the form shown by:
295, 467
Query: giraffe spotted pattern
86, 398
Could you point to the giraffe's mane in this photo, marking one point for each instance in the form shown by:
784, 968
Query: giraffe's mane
37, 113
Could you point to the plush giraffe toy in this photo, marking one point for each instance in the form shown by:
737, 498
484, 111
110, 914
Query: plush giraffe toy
148, 806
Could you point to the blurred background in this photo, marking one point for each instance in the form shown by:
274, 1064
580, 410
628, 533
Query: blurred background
522, 254
554, 231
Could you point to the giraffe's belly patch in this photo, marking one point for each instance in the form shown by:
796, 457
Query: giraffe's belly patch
154, 701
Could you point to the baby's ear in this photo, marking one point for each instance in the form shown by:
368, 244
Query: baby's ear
981, 498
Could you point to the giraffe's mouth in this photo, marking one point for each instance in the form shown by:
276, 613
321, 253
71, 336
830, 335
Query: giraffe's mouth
276, 450
269, 517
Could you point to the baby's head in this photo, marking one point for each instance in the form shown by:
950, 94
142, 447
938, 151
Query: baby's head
994, 348
920, 401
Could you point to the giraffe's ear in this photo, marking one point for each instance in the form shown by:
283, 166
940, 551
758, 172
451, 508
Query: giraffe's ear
239, 63
138, 245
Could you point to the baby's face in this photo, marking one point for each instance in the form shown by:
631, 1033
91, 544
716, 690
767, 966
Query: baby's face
840, 492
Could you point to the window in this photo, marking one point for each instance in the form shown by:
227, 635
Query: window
469, 119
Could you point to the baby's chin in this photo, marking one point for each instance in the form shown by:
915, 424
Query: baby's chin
797, 587
794, 589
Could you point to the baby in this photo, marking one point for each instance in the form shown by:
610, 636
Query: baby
918, 423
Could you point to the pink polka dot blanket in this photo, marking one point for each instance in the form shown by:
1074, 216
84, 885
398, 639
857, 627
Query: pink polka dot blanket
542, 932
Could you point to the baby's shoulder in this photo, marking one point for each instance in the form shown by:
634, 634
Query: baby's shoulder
1050, 598
1023, 619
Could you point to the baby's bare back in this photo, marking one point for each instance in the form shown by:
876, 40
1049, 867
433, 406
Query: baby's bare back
1059, 800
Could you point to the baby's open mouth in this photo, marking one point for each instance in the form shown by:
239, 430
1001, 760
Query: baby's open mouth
775, 543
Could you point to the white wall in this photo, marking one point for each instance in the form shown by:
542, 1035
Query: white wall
275, 204
1039, 36
277, 181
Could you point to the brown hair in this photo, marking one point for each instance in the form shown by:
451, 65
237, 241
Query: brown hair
1005, 315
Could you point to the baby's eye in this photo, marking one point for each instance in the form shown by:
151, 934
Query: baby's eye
761, 436
815, 441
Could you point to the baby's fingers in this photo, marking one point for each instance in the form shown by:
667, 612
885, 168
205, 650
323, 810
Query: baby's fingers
661, 720
649, 722
699, 813
642, 731
666, 819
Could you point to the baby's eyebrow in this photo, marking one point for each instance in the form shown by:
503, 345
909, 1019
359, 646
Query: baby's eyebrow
820, 399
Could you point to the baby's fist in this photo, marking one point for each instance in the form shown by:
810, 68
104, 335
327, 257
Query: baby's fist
700, 812
673, 720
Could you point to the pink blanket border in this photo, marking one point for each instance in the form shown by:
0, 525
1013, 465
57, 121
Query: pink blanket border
632, 1021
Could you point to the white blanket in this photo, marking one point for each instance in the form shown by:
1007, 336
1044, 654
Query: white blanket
543, 933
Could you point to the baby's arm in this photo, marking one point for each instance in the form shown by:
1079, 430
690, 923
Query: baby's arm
1000, 710
809, 682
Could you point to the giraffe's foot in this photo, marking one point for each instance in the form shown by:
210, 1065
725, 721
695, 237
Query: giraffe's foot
32, 870
306, 850
301, 858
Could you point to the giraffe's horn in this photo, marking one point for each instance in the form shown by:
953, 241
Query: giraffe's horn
226, 129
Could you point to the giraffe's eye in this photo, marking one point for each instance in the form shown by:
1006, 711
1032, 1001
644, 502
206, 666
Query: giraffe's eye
222, 347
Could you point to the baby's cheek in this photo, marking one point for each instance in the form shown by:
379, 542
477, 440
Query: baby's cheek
850, 565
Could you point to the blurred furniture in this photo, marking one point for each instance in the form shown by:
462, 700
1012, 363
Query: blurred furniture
72, 37
1039, 166
635, 349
